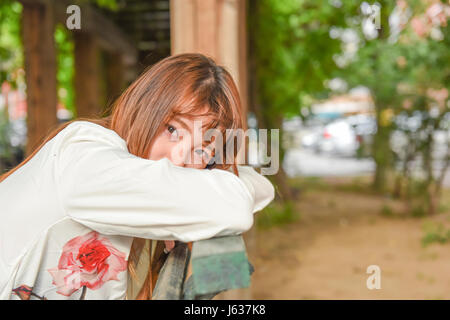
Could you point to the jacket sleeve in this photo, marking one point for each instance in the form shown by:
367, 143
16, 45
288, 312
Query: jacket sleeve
103, 186
259, 186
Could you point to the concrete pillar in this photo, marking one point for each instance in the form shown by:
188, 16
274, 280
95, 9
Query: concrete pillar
216, 28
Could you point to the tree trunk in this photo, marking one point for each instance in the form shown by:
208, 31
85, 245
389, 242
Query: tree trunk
381, 153
434, 193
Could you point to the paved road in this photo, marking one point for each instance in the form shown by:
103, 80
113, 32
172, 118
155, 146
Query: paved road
301, 162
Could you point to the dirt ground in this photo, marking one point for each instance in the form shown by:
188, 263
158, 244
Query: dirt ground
326, 252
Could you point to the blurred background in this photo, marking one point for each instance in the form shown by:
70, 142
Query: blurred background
358, 89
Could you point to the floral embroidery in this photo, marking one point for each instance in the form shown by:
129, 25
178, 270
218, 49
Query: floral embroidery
87, 261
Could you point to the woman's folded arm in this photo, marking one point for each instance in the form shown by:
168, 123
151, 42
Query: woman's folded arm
112, 191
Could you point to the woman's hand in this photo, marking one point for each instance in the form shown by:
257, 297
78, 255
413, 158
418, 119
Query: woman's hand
170, 244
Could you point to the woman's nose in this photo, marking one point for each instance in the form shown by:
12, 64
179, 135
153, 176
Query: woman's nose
179, 154
183, 155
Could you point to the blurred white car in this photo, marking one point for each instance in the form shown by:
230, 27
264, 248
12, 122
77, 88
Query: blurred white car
338, 137
311, 136
345, 136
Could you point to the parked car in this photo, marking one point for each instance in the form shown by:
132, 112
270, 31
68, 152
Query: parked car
313, 127
338, 138
344, 136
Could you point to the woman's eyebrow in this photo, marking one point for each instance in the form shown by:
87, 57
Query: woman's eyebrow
182, 123
205, 142
178, 119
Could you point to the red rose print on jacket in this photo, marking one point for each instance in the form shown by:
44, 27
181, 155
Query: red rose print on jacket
87, 261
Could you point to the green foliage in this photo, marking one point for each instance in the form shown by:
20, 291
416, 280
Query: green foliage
275, 214
377, 66
107, 4
11, 49
419, 211
65, 71
386, 211
435, 233
400, 71
6, 150
293, 51
307, 183
11, 56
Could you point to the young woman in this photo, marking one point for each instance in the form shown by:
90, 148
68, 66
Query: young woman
71, 211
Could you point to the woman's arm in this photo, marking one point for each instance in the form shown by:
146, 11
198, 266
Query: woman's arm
104, 187
259, 186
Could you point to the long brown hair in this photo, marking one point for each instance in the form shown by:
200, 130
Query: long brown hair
180, 84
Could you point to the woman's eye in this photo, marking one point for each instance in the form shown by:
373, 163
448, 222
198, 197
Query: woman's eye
172, 130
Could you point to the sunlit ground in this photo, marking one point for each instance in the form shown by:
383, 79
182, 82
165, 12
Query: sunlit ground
341, 230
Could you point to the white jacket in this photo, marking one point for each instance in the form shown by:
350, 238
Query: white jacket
69, 215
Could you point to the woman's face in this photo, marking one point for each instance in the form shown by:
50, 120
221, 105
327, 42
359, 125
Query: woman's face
182, 142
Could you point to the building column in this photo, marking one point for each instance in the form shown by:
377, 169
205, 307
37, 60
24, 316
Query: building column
88, 98
115, 77
216, 28
40, 72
